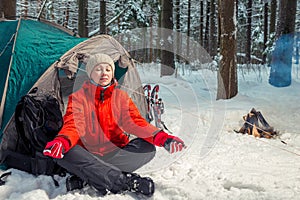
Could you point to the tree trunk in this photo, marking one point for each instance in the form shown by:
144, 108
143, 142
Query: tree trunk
273, 16
287, 16
201, 23
167, 56
159, 33
227, 74
281, 65
266, 12
83, 18
103, 17
236, 8
249, 32
178, 39
188, 30
213, 35
297, 51
206, 33
26, 8
151, 41
8, 9
67, 16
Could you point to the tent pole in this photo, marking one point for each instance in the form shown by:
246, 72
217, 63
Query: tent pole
7, 77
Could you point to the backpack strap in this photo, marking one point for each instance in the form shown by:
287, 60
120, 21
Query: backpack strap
4, 175
36, 165
19, 120
17, 160
20, 126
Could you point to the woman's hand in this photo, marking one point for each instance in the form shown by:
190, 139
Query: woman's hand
57, 147
171, 143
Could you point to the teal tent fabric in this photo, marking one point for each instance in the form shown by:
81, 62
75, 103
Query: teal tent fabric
120, 72
38, 45
7, 32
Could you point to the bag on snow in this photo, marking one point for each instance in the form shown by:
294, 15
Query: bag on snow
255, 124
38, 119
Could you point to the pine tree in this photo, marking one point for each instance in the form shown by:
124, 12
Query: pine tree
227, 75
167, 55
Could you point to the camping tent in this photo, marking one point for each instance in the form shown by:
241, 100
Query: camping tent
34, 54
28, 48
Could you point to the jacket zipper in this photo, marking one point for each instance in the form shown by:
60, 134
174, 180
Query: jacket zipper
98, 120
102, 96
93, 121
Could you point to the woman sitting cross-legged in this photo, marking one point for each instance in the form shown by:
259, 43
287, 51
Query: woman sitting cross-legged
94, 144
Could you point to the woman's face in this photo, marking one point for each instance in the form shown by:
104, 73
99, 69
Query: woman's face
102, 74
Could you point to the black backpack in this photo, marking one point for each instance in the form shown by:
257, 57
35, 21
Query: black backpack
38, 119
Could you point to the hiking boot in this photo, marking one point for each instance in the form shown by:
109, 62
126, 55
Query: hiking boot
74, 182
138, 184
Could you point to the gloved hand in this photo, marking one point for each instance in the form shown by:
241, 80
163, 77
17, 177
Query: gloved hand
171, 143
57, 147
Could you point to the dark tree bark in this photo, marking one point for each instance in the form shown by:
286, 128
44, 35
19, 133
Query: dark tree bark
266, 20
206, 33
83, 18
213, 32
8, 9
281, 65
297, 51
249, 25
188, 30
178, 40
201, 23
236, 8
67, 15
227, 74
151, 40
159, 35
103, 17
167, 54
273, 16
287, 16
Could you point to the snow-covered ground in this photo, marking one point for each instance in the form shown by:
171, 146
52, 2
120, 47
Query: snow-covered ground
218, 163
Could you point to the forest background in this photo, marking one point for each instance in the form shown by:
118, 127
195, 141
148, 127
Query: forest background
258, 39
228, 33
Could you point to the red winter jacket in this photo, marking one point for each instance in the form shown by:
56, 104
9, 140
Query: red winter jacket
99, 119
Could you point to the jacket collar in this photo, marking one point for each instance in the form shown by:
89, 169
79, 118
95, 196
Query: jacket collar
97, 91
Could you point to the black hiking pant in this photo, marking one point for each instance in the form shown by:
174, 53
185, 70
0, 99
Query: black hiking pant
103, 172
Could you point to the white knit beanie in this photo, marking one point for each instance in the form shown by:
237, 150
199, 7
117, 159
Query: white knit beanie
96, 59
